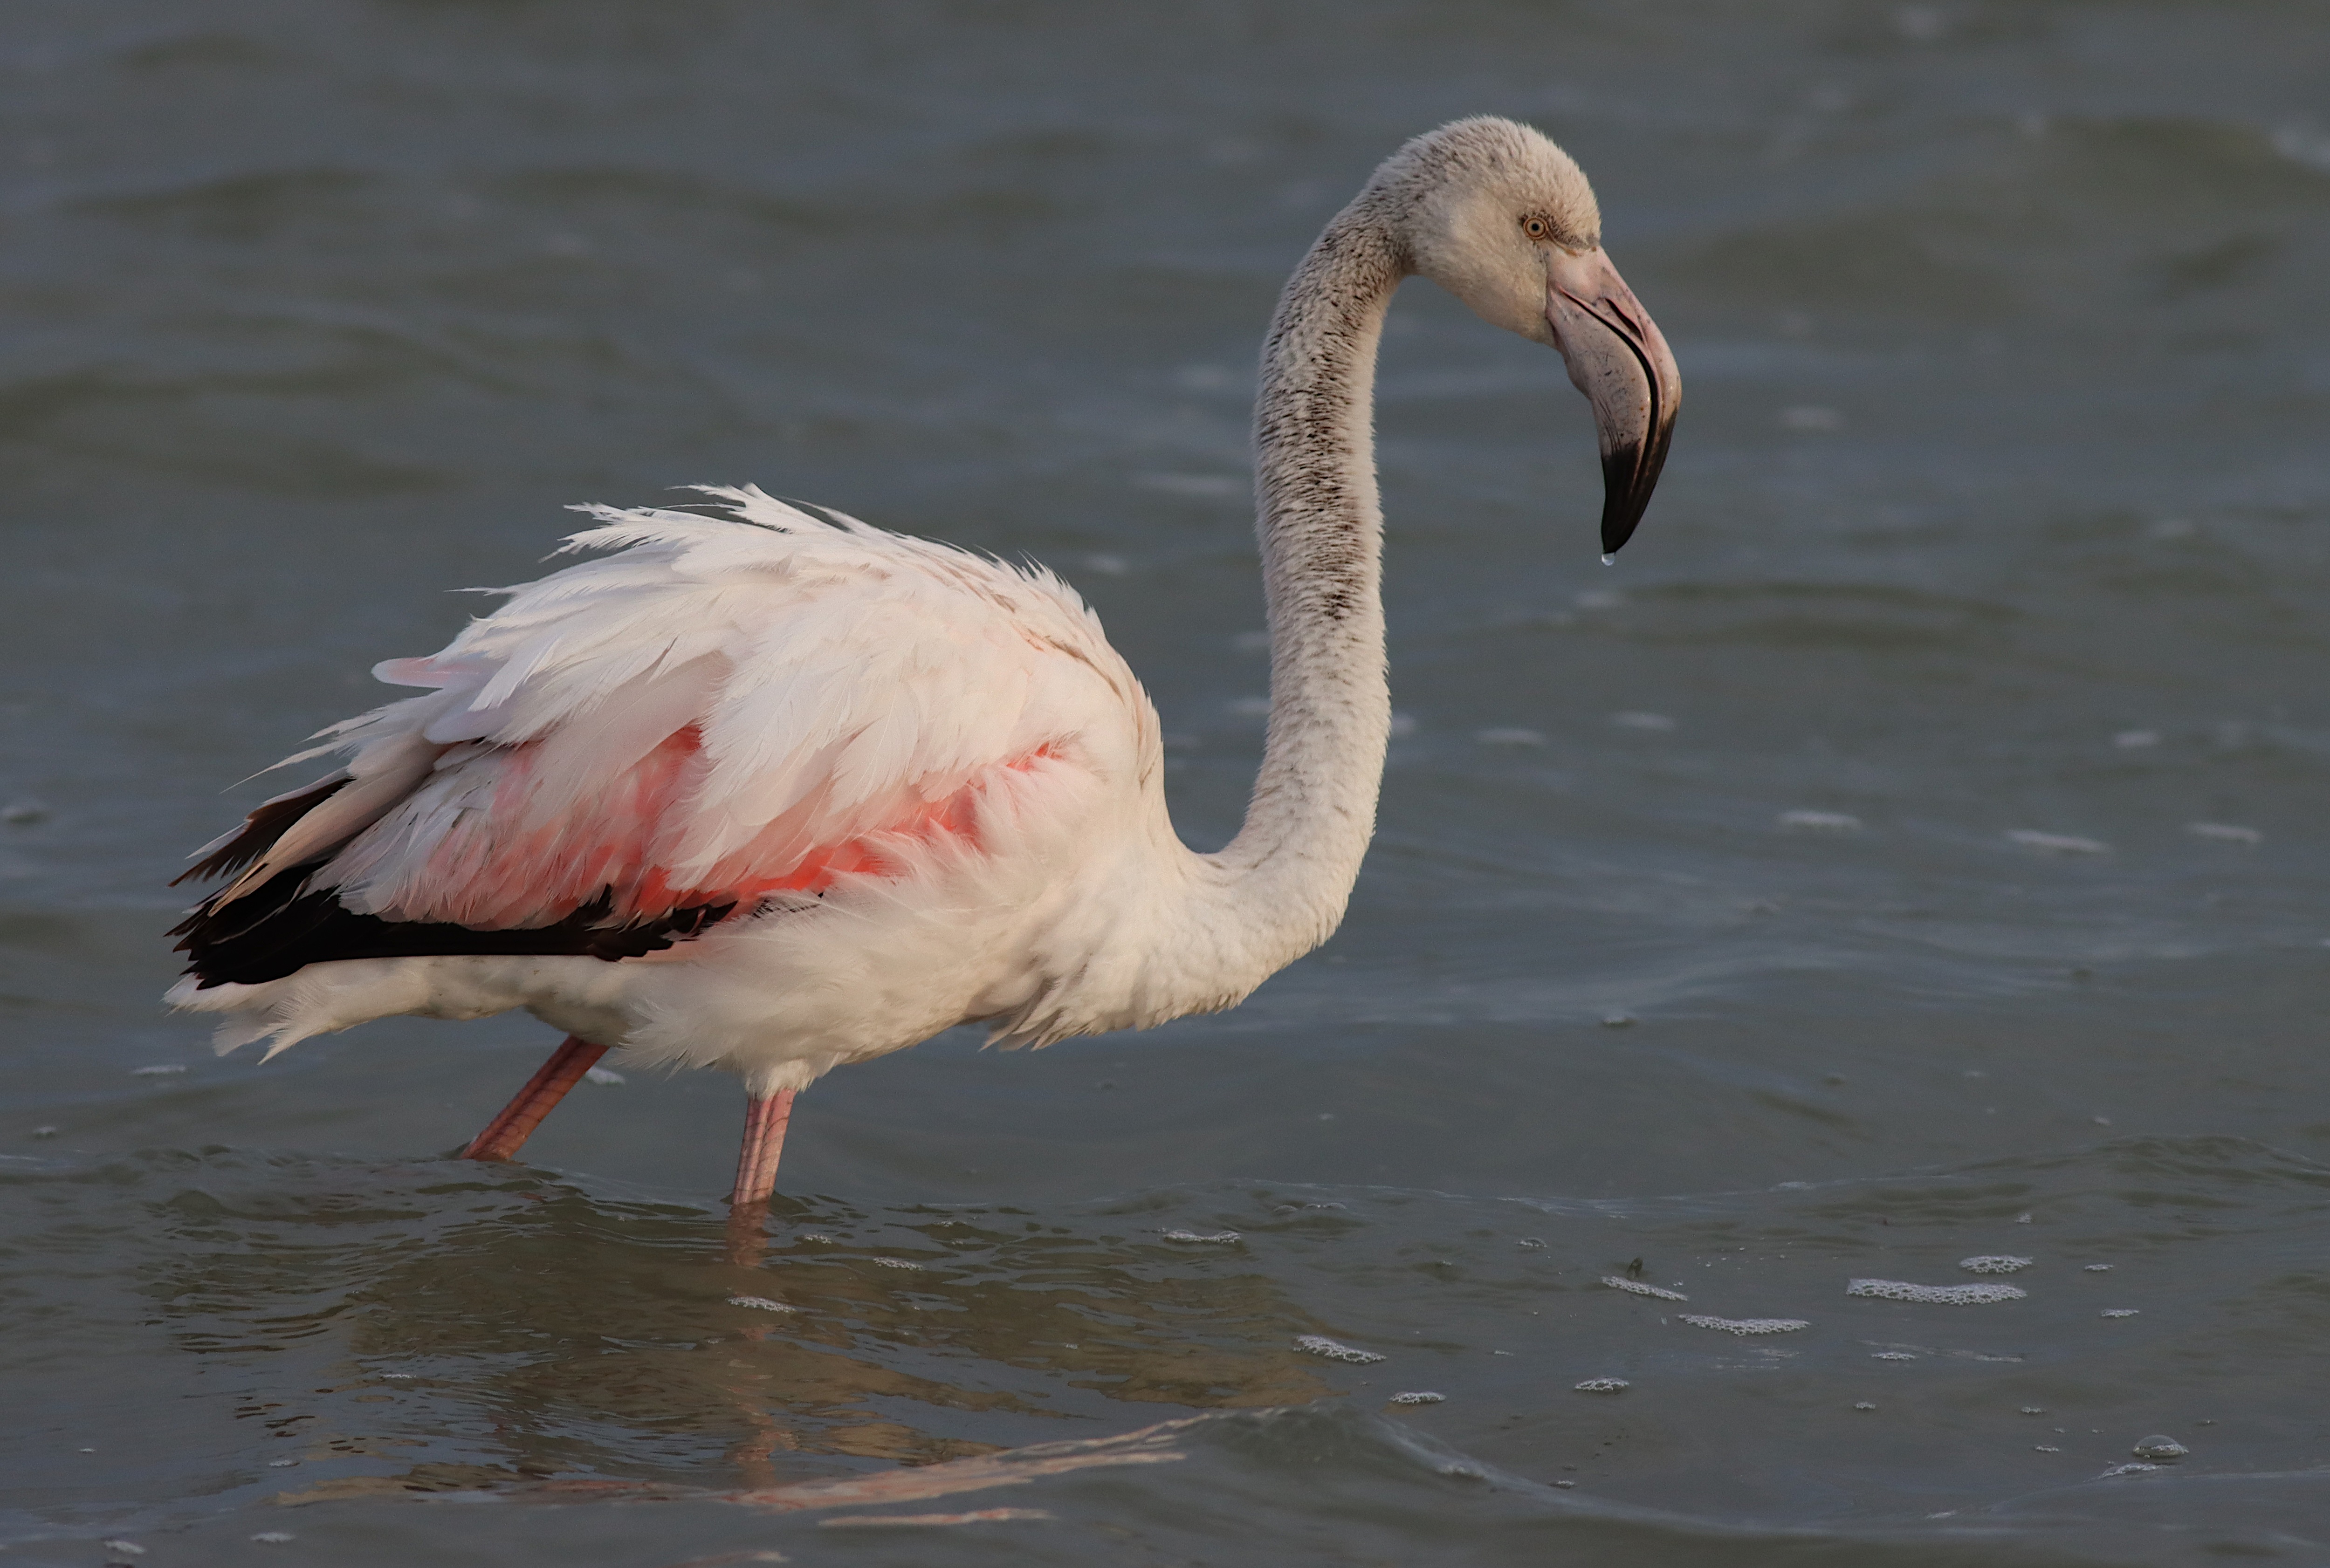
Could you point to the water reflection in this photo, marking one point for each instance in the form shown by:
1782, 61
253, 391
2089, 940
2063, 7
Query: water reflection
545, 1330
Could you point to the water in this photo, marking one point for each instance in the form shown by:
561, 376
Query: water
1965, 903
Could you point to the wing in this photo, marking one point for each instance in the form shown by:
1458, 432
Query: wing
634, 747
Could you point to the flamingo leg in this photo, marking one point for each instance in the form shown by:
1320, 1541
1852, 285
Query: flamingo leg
507, 1133
765, 1118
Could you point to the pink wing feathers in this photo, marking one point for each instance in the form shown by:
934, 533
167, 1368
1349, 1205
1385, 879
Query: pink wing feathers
722, 709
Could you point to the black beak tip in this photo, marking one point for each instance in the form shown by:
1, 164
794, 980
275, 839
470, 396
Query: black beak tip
1626, 495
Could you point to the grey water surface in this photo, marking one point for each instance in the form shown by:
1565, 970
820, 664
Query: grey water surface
1910, 852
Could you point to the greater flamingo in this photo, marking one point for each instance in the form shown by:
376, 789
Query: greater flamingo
773, 791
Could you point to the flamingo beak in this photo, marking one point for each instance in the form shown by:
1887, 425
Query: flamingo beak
1617, 358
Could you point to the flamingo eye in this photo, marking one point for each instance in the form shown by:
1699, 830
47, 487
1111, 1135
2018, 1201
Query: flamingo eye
1536, 228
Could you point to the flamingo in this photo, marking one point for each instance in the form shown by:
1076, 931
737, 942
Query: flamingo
764, 788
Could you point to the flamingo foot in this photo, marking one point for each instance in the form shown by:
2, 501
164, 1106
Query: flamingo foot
507, 1133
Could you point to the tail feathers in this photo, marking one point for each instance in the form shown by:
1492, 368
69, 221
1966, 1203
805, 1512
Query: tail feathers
274, 1013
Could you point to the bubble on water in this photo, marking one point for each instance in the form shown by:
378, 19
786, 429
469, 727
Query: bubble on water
1944, 1295
2119, 1312
2097, 1268
604, 1075
2057, 843
1999, 1264
162, 1071
2160, 1449
761, 1304
1636, 1288
2224, 833
1604, 1386
1864, 1404
1820, 821
893, 1263
1746, 1325
1218, 1238
1416, 1396
1334, 1350
1892, 1356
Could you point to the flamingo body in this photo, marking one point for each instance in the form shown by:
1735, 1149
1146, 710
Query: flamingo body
898, 786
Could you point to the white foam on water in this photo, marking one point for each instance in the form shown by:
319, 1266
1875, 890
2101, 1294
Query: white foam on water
1999, 1264
162, 1072
893, 1263
761, 1304
1864, 1404
1944, 1294
2119, 1312
1820, 821
1892, 1355
2045, 1449
1419, 1396
2097, 1268
1746, 1325
1219, 1238
1604, 1386
1636, 1288
131, 1547
275, 1538
2134, 1469
1334, 1349
2057, 843
2035, 1410
2224, 833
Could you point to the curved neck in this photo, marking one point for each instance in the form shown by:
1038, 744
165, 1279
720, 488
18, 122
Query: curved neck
1293, 862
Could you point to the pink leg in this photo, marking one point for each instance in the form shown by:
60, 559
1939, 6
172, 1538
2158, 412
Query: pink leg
764, 1141
507, 1133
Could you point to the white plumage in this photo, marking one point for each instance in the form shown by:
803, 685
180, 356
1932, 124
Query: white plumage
954, 733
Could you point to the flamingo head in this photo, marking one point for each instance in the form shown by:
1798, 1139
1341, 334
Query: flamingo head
1495, 213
